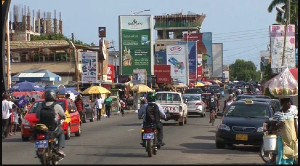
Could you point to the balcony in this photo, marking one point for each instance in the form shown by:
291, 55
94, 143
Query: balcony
176, 25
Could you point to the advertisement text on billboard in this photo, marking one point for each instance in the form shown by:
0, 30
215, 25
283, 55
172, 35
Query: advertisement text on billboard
162, 70
192, 52
139, 76
160, 57
89, 67
160, 79
199, 66
111, 72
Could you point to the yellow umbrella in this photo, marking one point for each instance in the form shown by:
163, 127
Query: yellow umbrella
141, 88
96, 90
129, 84
207, 83
180, 85
199, 84
217, 81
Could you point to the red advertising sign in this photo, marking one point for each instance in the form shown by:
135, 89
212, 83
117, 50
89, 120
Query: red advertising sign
162, 70
111, 72
199, 72
163, 79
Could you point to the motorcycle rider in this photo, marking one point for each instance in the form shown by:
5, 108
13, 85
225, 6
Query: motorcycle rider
212, 103
158, 115
50, 101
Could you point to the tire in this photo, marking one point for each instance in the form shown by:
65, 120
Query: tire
149, 149
25, 138
266, 159
78, 133
185, 120
220, 145
68, 134
182, 121
43, 159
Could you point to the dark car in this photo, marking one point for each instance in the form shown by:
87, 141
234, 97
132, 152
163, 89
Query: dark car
193, 91
215, 88
275, 103
242, 123
88, 113
248, 96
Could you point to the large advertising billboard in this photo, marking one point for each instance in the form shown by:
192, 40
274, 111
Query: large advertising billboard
192, 52
264, 60
135, 43
199, 67
296, 50
89, 67
204, 46
160, 58
277, 33
217, 54
177, 58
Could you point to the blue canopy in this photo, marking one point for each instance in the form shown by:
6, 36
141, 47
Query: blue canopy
67, 90
26, 87
35, 76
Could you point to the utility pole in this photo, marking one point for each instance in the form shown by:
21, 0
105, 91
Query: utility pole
75, 53
8, 54
287, 21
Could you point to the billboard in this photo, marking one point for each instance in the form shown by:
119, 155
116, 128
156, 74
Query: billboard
139, 76
162, 70
160, 57
199, 66
135, 43
111, 72
89, 67
217, 55
226, 72
192, 52
176, 57
204, 46
265, 58
102, 32
277, 33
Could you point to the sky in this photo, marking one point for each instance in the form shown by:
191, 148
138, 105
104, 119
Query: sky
241, 25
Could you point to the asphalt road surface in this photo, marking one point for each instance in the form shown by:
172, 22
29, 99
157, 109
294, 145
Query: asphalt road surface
116, 140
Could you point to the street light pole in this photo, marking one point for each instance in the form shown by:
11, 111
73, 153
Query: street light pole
287, 21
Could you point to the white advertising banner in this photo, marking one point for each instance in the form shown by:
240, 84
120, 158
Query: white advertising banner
139, 76
217, 55
89, 67
277, 33
177, 58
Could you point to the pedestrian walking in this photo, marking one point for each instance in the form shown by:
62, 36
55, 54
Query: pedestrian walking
108, 102
6, 106
98, 106
79, 105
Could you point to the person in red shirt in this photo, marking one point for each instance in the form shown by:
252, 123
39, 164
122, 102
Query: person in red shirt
79, 105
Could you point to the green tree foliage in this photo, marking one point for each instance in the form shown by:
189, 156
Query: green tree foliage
243, 71
280, 16
56, 37
268, 73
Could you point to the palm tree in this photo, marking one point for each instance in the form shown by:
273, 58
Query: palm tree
280, 16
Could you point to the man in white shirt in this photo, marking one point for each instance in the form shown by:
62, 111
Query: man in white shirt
98, 106
6, 106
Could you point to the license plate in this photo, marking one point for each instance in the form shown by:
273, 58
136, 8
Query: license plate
148, 136
241, 137
41, 144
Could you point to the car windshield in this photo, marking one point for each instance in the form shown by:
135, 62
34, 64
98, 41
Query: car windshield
244, 97
247, 110
263, 97
168, 97
191, 97
194, 91
38, 105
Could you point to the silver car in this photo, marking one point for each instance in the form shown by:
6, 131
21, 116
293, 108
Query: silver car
196, 106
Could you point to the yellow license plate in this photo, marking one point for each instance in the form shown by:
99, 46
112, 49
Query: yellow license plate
241, 137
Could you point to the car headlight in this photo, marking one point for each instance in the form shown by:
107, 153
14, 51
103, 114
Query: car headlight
25, 122
224, 127
260, 129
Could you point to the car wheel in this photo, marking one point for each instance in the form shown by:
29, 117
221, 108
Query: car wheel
68, 134
185, 119
78, 133
220, 145
182, 121
25, 138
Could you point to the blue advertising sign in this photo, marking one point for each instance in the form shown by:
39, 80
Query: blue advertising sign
160, 58
192, 59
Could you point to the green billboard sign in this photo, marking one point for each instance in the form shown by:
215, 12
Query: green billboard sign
135, 43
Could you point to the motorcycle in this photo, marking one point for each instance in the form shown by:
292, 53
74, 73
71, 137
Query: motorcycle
149, 133
46, 145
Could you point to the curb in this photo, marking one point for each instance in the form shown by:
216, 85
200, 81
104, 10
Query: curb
126, 112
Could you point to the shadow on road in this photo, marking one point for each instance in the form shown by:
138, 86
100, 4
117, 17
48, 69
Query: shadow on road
205, 137
12, 140
126, 155
210, 148
131, 124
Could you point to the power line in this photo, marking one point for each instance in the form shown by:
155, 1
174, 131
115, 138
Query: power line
243, 31
242, 34
239, 36
242, 40
245, 46
244, 51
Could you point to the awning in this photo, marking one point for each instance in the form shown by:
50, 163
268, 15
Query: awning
35, 76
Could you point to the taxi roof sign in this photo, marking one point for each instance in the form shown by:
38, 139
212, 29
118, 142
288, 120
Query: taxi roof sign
249, 102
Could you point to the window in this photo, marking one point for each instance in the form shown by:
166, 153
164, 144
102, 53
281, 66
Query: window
38, 105
168, 97
191, 97
250, 110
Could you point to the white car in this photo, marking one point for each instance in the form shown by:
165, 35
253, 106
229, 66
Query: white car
195, 105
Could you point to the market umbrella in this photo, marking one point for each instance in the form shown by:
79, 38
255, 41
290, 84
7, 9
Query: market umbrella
217, 81
199, 84
207, 83
141, 88
96, 90
67, 90
26, 87
180, 85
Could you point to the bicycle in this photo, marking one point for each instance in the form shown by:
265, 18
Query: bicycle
212, 116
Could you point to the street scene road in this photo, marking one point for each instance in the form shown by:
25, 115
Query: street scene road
116, 140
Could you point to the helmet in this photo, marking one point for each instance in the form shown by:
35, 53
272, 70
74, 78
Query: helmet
151, 97
230, 97
50, 95
212, 92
